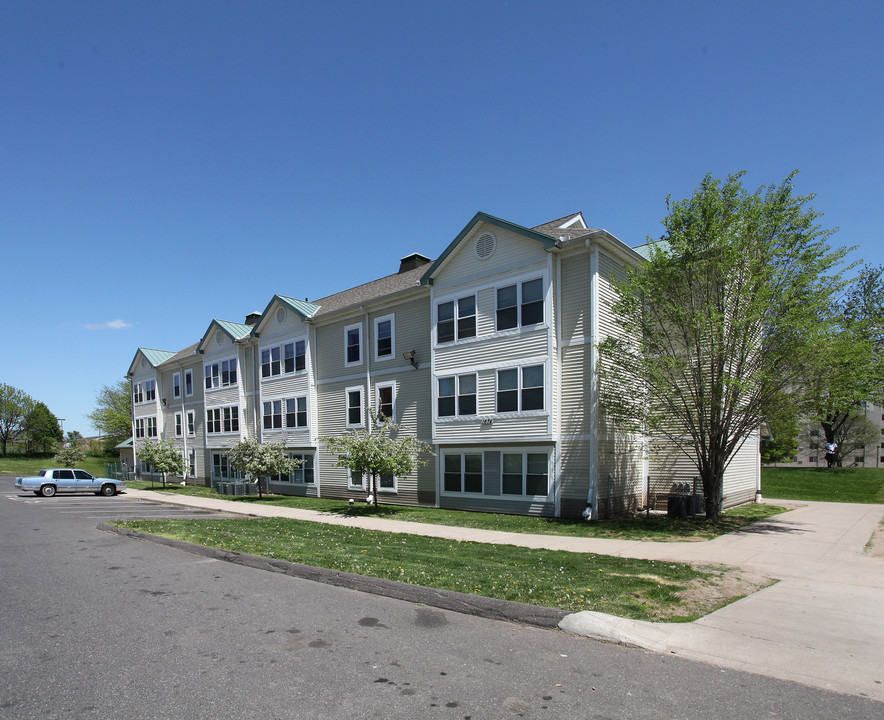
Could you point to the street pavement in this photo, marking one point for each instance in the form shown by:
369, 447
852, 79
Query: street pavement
821, 624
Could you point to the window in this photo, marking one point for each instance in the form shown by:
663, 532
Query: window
179, 427
221, 468
520, 304
456, 319
354, 407
386, 395
150, 390
525, 474
303, 473
462, 472
812, 459
139, 427
273, 415
384, 338
296, 412
191, 462
457, 395
176, 385
353, 344
137, 393
188, 383
288, 358
222, 419
151, 426
191, 423
355, 480
221, 374
520, 389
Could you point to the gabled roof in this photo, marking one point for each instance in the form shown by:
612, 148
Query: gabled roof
301, 307
154, 357
235, 331
182, 355
545, 240
371, 291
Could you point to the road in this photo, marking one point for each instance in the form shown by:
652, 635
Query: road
97, 625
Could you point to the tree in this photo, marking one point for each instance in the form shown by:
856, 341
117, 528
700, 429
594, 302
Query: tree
848, 366
780, 442
851, 436
720, 322
15, 405
69, 456
376, 452
163, 456
259, 460
75, 437
112, 416
42, 428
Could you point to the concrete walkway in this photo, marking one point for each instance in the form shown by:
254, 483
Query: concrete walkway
821, 625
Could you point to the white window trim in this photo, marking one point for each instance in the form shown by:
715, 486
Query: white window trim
138, 392
457, 416
347, 329
519, 373
176, 385
377, 321
518, 283
455, 298
377, 397
353, 486
524, 451
186, 373
361, 390
280, 344
191, 415
179, 425
229, 433
219, 362
460, 453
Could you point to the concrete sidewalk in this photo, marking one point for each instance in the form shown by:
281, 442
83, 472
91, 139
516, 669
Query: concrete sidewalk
821, 625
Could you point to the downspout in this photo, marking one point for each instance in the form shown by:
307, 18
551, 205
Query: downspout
184, 423
367, 372
134, 451
257, 385
592, 491
557, 395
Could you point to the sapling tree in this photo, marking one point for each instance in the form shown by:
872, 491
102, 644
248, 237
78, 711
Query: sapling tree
70, 455
260, 460
377, 452
163, 456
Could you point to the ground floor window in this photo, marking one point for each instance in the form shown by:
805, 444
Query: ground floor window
221, 469
525, 474
463, 472
303, 473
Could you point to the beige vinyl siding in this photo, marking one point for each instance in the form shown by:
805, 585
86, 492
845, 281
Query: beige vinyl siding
621, 485
509, 347
574, 478
575, 395
608, 270
740, 478
512, 252
503, 429
575, 294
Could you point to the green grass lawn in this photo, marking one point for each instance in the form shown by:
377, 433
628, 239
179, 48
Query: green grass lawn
19, 466
640, 589
657, 528
855, 485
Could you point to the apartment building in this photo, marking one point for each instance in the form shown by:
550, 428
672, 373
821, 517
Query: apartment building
487, 353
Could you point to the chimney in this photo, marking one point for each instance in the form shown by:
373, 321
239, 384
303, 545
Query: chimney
252, 318
410, 262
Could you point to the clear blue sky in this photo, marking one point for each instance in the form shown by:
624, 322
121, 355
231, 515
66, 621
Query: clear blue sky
152, 155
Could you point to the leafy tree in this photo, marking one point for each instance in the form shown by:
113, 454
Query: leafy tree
850, 437
780, 444
848, 367
15, 406
375, 452
720, 322
260, 460
112, 416
163, 456
75, 437
42, 428
69, 456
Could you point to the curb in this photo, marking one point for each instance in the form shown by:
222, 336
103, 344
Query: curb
490, 608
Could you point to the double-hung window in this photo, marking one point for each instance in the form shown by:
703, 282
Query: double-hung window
296, 412
456, 319
385, 402
304, 471
520, 304
273, 415
137, 393
294, 356
270, 363
223, 419
384, 337
151, 427
353, 344
179, 426
139, 427
213, 376
520, 389
188, 383
462, 472
191, 423
228, 372
525, 474
150, 390
457, 395
354, 407
176, 385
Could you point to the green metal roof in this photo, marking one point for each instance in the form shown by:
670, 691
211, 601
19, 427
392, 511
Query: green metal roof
155, 357
547, 241
235, 331
302, 307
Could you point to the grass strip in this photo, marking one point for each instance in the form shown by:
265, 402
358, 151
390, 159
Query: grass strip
640, 589
655, 528
854, 485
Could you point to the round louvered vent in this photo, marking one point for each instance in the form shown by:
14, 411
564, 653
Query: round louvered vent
280, 315
219, 338
485, 245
